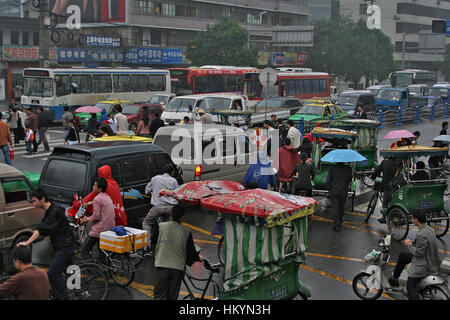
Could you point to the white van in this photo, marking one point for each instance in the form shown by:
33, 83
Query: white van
418, 90
181, 106
225, 152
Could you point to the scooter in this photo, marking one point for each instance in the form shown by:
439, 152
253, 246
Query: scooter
372, 282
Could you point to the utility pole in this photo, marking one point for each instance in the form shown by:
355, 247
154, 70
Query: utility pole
44, 33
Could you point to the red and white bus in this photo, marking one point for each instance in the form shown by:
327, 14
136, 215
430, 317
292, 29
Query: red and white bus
303, 85
208, 79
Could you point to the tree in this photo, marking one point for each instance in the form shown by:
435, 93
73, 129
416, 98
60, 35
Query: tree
225, 44
350, 50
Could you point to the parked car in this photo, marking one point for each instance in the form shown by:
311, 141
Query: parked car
18, 217
291, 103
349, 100
217, 160
162, 99
318, 110
133, 164
133, 112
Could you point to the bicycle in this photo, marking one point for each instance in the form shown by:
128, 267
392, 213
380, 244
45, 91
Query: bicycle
213, 269
87, 282
119, 266
378, 195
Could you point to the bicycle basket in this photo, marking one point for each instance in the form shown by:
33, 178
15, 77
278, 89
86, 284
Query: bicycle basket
372, 256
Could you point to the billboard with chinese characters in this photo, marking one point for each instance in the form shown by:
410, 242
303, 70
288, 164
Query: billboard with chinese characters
92, 11
89, 54
154, 56
101, 41
20, 53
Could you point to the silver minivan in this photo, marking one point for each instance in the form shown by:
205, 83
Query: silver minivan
208, 151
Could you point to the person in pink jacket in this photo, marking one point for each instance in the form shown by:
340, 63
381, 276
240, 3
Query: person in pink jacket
102, 219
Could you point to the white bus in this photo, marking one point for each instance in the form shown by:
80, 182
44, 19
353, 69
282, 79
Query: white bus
55, 88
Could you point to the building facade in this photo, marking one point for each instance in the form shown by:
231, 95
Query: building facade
408, 24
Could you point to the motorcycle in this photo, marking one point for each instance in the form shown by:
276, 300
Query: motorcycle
372, 282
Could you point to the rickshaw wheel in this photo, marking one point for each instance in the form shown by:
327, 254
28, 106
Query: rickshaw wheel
440, 227
398, 223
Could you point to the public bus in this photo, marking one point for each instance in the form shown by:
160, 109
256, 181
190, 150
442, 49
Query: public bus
208, 79
303, 85
404, 78
55, 88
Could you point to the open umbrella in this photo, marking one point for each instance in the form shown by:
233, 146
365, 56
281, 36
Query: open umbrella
343, 155
88, 109
398, 134
443, 138
192, 192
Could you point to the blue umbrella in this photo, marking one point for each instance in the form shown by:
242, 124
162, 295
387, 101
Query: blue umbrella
343, 155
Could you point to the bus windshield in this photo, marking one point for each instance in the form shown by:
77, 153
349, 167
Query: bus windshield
402, 79
38, 87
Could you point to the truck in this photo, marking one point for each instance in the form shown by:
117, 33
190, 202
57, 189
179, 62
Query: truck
235, 108
398, 98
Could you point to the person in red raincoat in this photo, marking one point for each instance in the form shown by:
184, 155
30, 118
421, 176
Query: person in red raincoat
285, 162
113, 191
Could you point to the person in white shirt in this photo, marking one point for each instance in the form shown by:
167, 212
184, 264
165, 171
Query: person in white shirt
294, 134
161, 206
122, 121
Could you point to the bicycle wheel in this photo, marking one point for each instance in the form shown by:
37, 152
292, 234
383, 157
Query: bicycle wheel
397, 223
367, 181
361, 288
221, 251
122, 270
93, 284
440, 226
371, 207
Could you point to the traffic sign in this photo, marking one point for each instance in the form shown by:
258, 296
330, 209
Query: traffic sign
268, 77
447, 28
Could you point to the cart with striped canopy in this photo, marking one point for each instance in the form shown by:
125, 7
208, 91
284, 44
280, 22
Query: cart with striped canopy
265, 240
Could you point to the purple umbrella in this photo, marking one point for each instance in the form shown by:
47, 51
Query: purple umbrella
398, 134
88, 109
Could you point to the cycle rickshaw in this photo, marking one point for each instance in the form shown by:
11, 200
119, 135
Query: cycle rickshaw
326, 140
365, 144
426, 195
264, 237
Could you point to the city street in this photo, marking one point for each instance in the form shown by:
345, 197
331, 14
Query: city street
333, 258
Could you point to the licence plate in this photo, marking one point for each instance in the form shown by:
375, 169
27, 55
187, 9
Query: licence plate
425, 204
277, 293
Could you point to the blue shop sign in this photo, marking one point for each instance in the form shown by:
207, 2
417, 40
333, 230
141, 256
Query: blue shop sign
154, 56
85, 54
101, 41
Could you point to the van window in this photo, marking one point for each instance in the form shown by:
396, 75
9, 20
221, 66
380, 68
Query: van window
56, 174
227, 146
115, 171
16, 189
178, 150
156, 162
135, 171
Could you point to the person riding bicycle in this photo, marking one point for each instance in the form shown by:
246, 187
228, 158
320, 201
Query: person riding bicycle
55, 225
422, 255
31, 283
389, 169
102, 219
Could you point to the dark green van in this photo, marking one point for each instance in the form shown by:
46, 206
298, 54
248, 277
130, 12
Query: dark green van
73, 169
